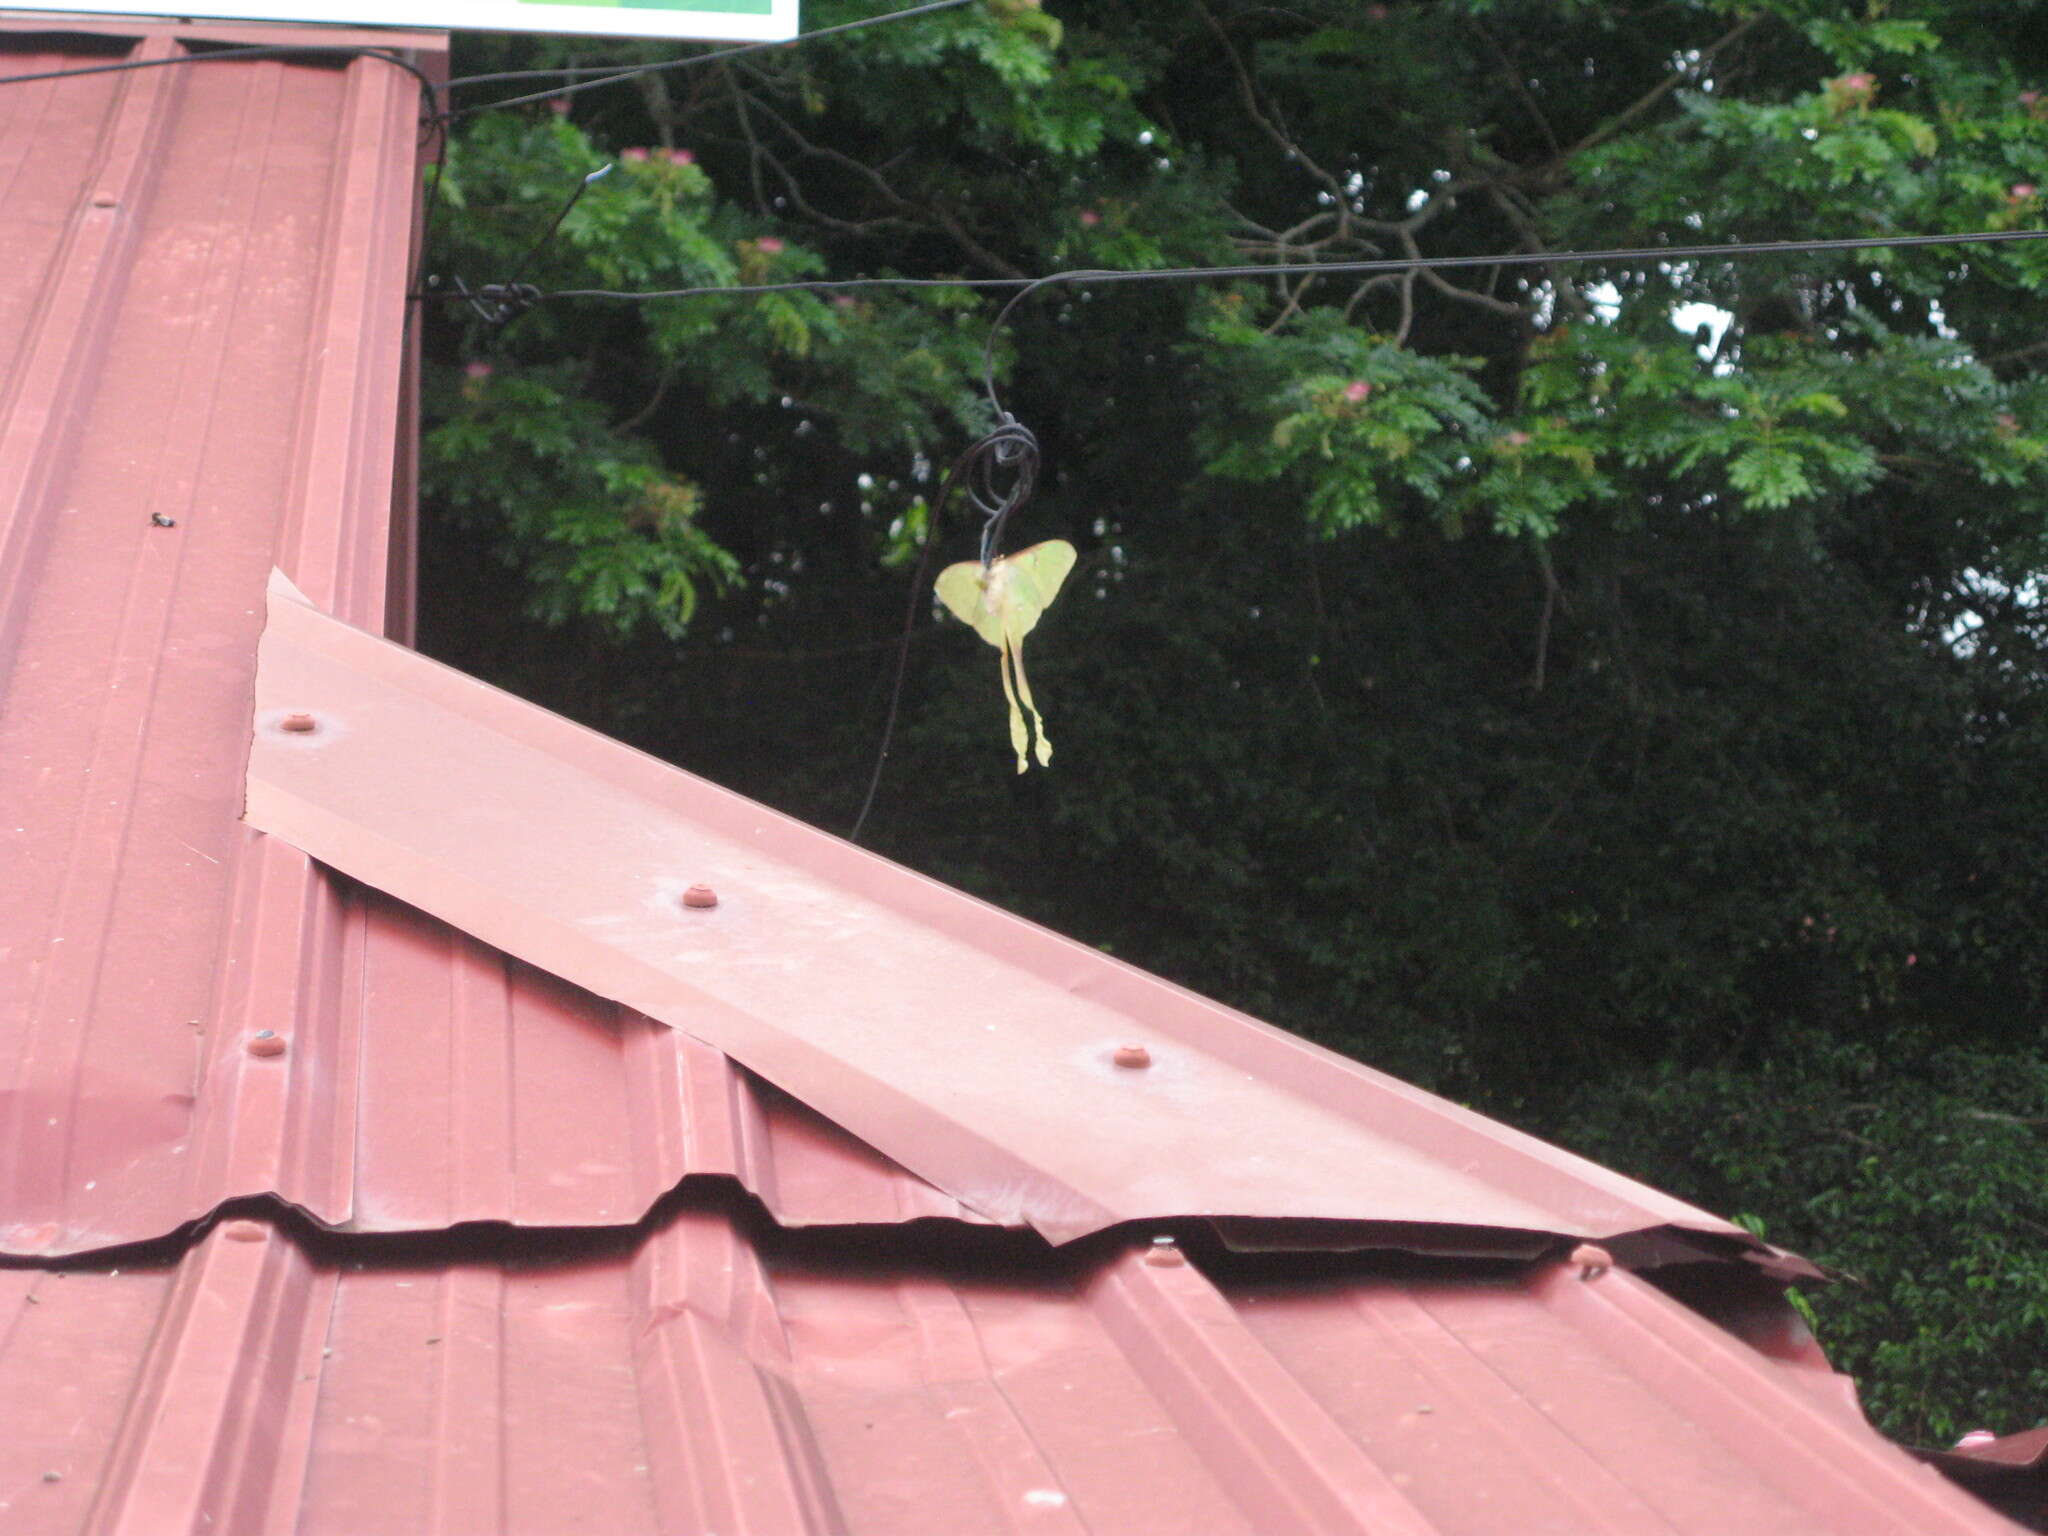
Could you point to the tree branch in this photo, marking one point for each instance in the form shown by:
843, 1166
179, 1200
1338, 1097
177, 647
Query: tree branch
1514, 79
1620, 122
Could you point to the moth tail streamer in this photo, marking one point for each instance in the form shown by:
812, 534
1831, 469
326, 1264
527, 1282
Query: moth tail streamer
1044, 748
1019, 741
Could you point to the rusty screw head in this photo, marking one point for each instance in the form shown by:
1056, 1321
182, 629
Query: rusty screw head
700, 896
243, 1232
266, 1042
1132, 1056
1592, 1260
299, 721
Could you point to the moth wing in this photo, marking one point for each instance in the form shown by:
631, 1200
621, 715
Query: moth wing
1033, 578
966, 591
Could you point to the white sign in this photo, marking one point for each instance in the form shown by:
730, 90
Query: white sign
735, 21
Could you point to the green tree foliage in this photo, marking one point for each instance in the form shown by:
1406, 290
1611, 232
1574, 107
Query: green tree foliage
1912, 1169
1612, 693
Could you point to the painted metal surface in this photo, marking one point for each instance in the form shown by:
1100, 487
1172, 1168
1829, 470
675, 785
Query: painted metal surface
202, 277
702, 1381
202, 274
975, 1049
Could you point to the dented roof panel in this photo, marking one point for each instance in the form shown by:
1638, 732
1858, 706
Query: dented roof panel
709, 1377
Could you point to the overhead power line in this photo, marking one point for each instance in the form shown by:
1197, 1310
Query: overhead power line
1620, 256
503, 301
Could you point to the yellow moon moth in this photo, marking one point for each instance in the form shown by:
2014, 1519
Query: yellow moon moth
1002, 602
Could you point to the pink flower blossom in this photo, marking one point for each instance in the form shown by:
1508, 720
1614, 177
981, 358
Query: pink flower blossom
633, 156
1912, 959
2029, 101
682, 157
1357, 390
2022, 190
559, 105
478, 370
1090, 218
1518, 439
769, 245
1854, 90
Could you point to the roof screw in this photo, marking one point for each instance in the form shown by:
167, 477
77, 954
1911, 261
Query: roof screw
243, 1232
266, 1042
161, 521
300, 721
1163, 1254
701, 896
105, 200
1132, 1056
1592, 1260
53, 1477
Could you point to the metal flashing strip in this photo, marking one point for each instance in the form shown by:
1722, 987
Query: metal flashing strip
988, 1056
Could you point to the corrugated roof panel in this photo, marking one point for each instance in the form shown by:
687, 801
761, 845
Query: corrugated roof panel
697, 1382
202, 274
210, 257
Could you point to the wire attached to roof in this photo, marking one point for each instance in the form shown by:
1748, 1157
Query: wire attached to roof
229, 55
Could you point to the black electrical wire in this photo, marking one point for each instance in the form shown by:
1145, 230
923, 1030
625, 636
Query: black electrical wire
1633, 255
633, 72
265, 51
1025, 287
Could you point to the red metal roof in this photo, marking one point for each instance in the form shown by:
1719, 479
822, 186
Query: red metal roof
219, 345
703, 1380
202, 377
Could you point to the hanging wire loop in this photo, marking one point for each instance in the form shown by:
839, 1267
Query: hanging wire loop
997, 475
